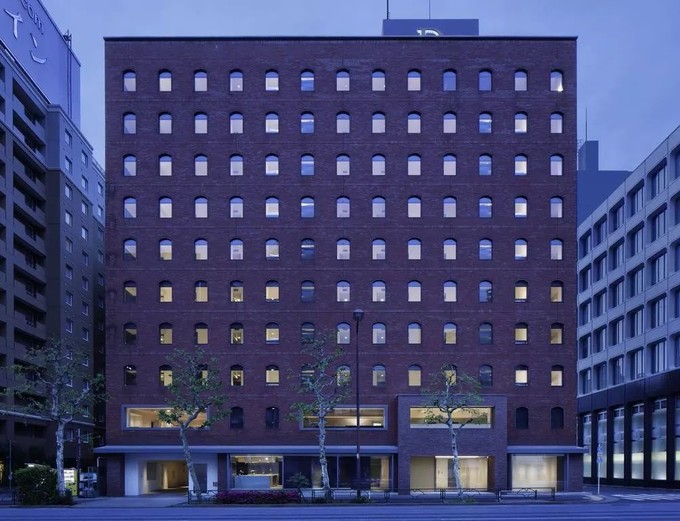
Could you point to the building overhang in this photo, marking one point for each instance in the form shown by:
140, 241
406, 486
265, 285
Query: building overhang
546, 449
245, 449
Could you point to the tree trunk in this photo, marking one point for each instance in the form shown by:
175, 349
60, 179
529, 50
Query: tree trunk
456, 463
325, 482
190, 462
61, 485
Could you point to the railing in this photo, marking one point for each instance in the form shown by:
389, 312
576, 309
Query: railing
8, 497
526, 493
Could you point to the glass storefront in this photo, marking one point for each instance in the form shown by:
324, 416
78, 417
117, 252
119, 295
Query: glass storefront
428, 473
537, 471
618, 455
256, 472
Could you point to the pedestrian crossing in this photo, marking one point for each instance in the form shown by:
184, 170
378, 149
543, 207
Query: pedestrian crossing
648, 497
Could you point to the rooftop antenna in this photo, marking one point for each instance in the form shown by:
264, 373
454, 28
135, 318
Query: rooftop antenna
388, 9
586, 123
429, 9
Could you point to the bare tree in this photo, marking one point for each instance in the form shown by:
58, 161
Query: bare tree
57, 384
324, 389
451, 400
194, 399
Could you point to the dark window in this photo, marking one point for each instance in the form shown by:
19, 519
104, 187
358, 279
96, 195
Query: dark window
130, 375
557, 418
521, 418
485, 376
271, 418
236, 418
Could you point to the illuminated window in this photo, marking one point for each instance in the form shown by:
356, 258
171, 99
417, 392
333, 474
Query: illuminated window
556, 247
556, 333
236, 374
272, 375
271, 164
271, 291
272, 333
236, 291
378, 207
165, 291
556, 81
271, 81
343, 333
450, 249
414, 376
521, 375
271, 123
521, 291
342, 291
271, 249
200, 249
521, 249
236, 165
378, 376
556, 205
236, 333
165, 333
521, 123
521, 164
556, 376
415, 333
521, 333
414, 207
450, 333
379, 333
200, 291
165, 375
165, 249
556, 291
271, 208
200, 334
378, 291
521, 207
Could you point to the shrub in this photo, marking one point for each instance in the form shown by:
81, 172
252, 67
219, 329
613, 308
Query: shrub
257, 497
37, 485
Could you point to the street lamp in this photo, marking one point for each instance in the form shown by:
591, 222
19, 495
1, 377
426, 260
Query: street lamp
358, 315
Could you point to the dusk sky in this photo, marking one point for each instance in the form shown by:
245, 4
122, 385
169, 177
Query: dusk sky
628, 50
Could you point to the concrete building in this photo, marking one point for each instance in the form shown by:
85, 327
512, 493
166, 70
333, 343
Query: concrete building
51, 225
265, 188
628, 334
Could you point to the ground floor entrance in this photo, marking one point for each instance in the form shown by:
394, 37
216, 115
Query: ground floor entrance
149, 473
164, 475
436, 472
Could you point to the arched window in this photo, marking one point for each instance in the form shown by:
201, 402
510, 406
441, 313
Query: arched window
485, 333
129, 123
450, 291
200, 249
485, 376
556, 123
556, 376
378, 249
450, 249
521, 418
165, 81
342, 164
378, 376
165, 375
414, 249
271, 207
557, 418
449, 123
521, 123
485, 80
414, 164
521, 249
343, 375
521, 333
200, 291
521, 80
485, 123
378, 80
200, 123
165, 291
379, 333
271, 249
342, 80
307, 164
556, 291
378, 207
236, 418
307, 207
415, 333
413, 80
415, 290
271, 164
201, 207
306, 81
378, 291
449, 80
165, 123
271, 81
485, 207
521, 207
556, 163
200, 334
521, 291
485, 249
200, 165
165, 333
307, 332
556, 81
164, 165
378, 123
343, 333
449, 206
485, 291
272, 333
236, 81
236, 123
342, 207
236, 249
522, 375
236, 165
521, 164
415, 376
130, 333
130, 375
272, 375
342, 123
129, 291
272, 291
342, 291
236, 333
236, 293
307, 289
129, 166
450, 333
342, 249
556, 333
449, 165
485, 164
200, 81
271, 418
414, 207
556, 204
236, 208
378, 165
129, 208
556, 247
271, 123
307, 249
413, 123
306, 123
450, 373
129, 81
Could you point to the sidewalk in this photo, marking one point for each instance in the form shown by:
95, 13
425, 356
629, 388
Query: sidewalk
147, 500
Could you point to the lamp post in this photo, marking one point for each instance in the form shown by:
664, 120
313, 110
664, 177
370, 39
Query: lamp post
358, 315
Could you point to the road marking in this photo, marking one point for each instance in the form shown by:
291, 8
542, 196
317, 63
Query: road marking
648, 497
